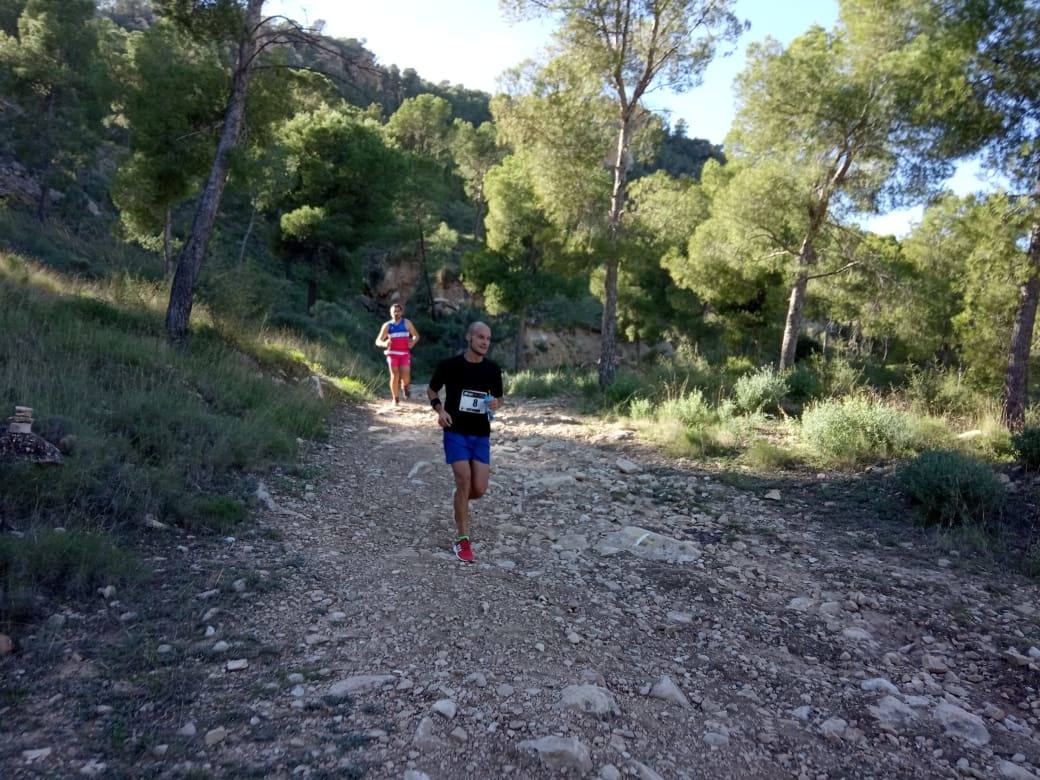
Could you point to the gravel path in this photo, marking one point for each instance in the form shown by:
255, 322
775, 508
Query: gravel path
628, 616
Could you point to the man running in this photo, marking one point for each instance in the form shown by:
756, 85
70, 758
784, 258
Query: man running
397, 337
473, 392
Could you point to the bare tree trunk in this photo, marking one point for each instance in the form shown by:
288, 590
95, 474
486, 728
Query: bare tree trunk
45, 191
41, 202
190, 262
519, 354
312, 293
167, 244
608, 329
796, 305
245, 238
478, 222
1016, 377
425, 267
793, 323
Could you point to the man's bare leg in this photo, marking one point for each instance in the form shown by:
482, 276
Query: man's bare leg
463, 485
480, 475
395, 382
406, 381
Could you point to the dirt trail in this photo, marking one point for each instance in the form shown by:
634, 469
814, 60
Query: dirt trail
628, 615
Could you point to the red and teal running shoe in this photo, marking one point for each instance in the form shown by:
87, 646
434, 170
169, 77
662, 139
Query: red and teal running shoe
462, 549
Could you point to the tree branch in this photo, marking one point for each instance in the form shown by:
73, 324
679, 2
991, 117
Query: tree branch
844, 268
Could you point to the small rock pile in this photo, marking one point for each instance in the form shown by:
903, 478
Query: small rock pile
18, 442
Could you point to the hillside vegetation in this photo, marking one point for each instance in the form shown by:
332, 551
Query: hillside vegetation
205, 213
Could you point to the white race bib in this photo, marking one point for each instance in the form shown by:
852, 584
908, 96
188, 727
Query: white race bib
472, 402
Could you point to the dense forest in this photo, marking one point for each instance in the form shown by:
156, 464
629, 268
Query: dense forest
203, 129
257, 183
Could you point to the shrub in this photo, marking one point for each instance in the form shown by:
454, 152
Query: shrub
625, 388
642, 409
949, 487
804, 384
766, 456
689, 409
942, 392
212, 513
545, 384
760, 390
1031, 561
856, 430
68, 564
735, 366
929, 433
992, 441
1027, 447
840, 377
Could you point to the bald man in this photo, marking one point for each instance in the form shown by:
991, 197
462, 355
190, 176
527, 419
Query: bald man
473, 391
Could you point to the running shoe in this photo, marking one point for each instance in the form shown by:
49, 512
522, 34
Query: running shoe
407, 392
463, 551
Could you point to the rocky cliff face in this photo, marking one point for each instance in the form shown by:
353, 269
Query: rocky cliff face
16, 182
574, 347
390, 278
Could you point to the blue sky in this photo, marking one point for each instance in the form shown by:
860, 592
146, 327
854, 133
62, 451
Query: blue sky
469, 42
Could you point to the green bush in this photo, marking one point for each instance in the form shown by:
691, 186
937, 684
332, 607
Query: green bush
949, 487
761, 390
60, 564
210, 513
929, 433
1031, 561
546, 384
804, 384
943, 392
856, 430
690, 409
1027, 447
766, 456
840, 378
626, 387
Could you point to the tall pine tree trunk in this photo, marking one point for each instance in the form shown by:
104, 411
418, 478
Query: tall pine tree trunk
182, 292
478, 221
519, 354
1016, 377
245, 238
312, 292
796, 304
41, 202
45, 190
824, 190
167, 243
425, 267
608, 329
520, 347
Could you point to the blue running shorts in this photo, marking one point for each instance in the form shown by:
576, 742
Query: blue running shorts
458, 446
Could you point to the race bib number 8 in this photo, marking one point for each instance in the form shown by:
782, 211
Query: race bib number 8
472, 402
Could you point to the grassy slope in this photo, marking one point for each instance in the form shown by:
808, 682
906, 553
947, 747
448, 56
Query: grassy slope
154, 430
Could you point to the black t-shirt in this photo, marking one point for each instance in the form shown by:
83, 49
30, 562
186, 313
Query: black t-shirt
467, 383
